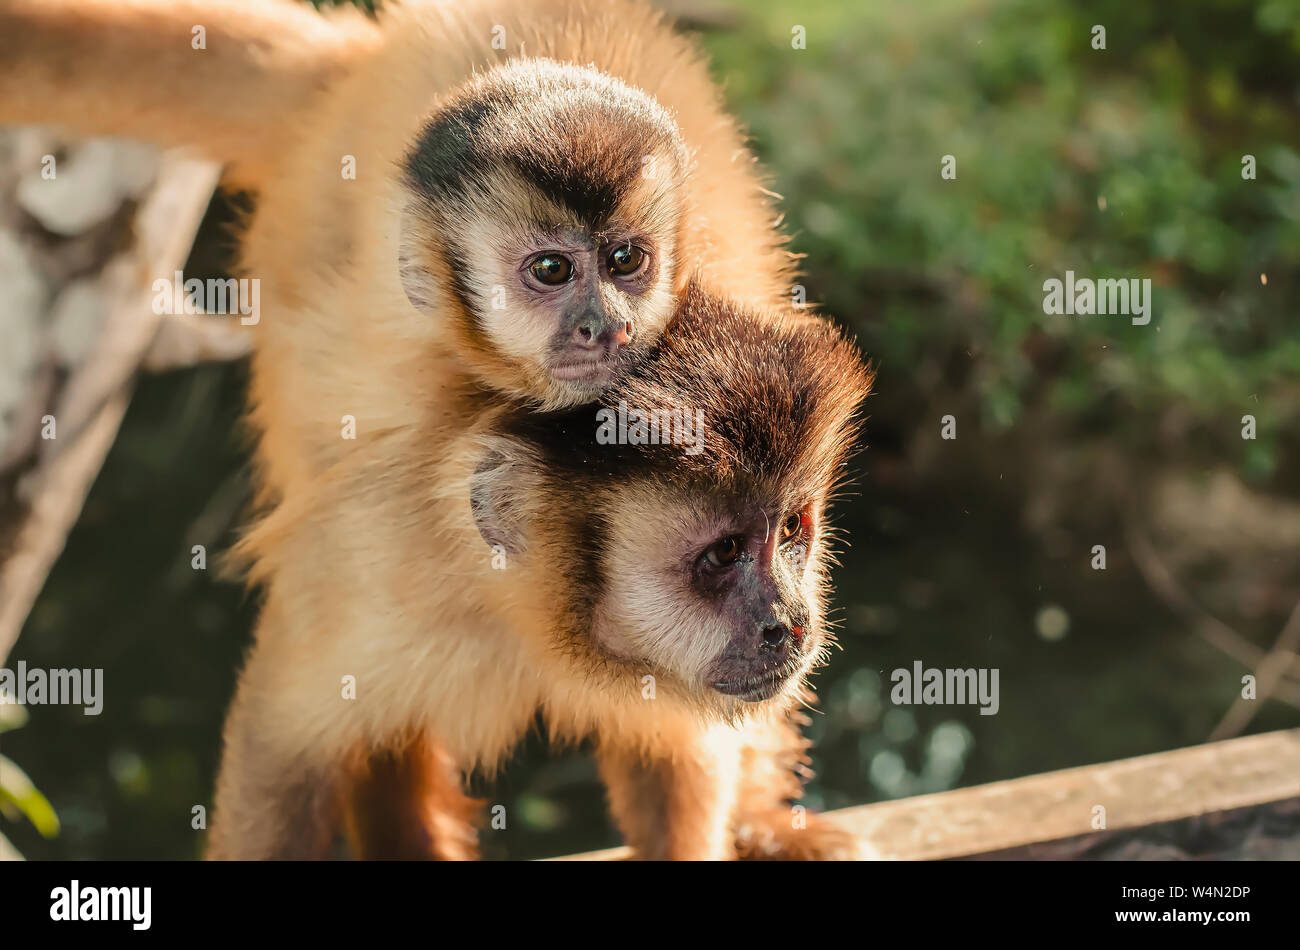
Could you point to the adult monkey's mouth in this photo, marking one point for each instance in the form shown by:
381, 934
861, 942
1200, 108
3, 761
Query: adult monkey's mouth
754, 689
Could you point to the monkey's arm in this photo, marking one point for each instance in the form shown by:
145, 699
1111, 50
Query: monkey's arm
408, 804
721, 794
273, 801
769, 825
228, 77
674, 804
284, 777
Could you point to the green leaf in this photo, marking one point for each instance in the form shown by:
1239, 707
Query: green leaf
17, 790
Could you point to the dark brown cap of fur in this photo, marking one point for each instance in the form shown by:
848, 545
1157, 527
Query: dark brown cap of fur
779, 393
576, 133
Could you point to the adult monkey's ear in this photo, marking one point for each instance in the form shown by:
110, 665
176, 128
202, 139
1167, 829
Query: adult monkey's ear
503, 492
417, 239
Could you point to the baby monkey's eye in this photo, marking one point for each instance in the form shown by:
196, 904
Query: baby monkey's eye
724, 552
626, 260
552, 269
793, 526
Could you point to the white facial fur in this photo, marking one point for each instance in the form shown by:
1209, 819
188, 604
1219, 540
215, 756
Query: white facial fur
503, 227
650, 611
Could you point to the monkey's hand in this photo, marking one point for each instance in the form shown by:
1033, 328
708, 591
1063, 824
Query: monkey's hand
788, 835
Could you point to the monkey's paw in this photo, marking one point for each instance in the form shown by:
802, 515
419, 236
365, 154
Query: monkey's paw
793, 836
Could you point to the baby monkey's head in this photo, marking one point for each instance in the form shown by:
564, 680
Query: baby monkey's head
678, 528
543, 215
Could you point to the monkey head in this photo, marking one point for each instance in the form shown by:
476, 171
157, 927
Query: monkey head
678, 529
543, 214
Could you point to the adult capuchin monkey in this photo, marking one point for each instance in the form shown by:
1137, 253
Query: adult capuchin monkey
456, 199
662, 592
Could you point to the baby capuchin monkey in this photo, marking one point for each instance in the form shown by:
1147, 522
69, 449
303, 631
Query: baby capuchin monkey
543, 219
547, 172
662, 594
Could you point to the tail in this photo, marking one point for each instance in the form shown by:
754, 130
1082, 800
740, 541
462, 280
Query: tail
226, 77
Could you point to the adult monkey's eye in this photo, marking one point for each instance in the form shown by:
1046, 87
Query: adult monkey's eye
724, 552
626, 260
552, 269
793, 526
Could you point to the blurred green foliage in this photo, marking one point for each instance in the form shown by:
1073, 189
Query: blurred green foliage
18, 796
1123, 162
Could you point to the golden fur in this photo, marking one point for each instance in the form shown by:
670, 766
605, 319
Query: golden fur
370, 566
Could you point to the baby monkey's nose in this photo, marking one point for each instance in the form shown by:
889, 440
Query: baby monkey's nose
590, 335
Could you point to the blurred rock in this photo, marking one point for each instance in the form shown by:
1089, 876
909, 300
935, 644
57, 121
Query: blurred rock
23, 296
1268, 832
1234, 545
78, 317
87, 186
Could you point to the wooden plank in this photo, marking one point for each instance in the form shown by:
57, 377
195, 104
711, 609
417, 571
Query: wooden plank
1135, 792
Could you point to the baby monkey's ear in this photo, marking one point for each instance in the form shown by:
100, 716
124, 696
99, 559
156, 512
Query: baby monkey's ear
503, 492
